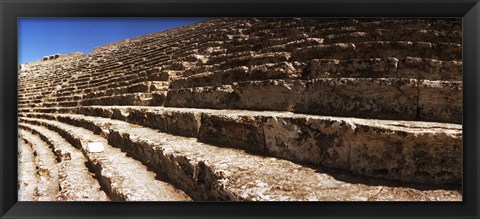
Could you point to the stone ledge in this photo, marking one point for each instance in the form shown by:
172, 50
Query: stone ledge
379, 98
212, 173
397, 150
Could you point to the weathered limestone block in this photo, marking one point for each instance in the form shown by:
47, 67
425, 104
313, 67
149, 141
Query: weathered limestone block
269, 94
448, 51
139, 99
223, 57
199, 69
397, 49
398, 151
330, 51
361, 97
290, 139
158, 98
196, 58
354, 68
440, 101
430, 69
182, 123
156, 121
93, 111
120, 113
321, 32
157, 86
212, 48
280, 70
160, 75
352, 37
137, 88
216, 78
453, 24
273, 57
397, 24
135, 116
178, 66
247, 46
421, 155
236, 131
207, 97
255, 59
422, 35
163, 75
290, 46
275, 41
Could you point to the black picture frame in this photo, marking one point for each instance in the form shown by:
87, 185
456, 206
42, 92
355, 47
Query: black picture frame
10, 10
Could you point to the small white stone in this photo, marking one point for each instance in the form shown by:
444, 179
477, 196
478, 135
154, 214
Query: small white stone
95, 147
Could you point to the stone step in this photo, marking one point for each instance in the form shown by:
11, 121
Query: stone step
326, 51
124, 178
403, 49
410, 67
282, 37
323, 141
27, 176
164, 75
390, 67
109, 78
222, 57
118, 80
380, 98
46, 168
365, 25
140, 87
379, 49
207, 172
158, 98
454, 24
413, 35
216, 78
139, 99
294, 44
75, 180
108, 85
200, 69
58, 104
62, 98
254, 59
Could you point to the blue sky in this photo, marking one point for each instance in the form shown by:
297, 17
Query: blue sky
39, 37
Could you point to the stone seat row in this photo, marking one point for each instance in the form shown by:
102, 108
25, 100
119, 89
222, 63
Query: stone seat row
117, 176
72, 89
54, 182
409, 95
266, 68
207, 172
383, 98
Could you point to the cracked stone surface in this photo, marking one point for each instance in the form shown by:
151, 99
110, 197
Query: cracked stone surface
211, 173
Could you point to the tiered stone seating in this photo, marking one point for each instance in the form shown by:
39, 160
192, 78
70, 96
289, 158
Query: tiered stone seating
252, 109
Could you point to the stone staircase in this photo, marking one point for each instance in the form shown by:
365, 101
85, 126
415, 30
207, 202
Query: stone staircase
250, 109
